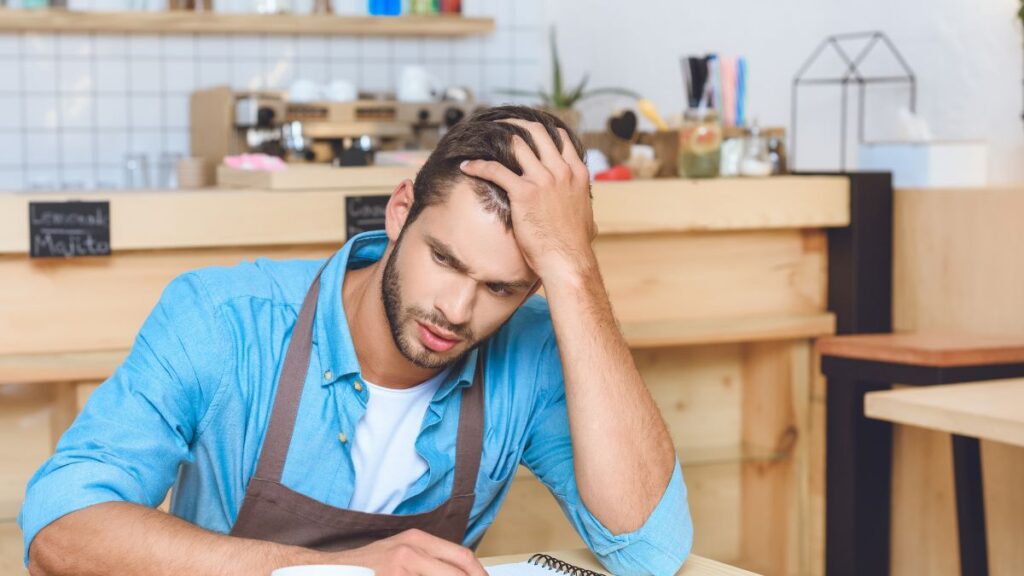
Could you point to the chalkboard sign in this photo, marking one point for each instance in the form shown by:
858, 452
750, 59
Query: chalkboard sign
363, 213
68, 229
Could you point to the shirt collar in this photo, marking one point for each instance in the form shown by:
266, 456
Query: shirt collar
461, 376
338, 356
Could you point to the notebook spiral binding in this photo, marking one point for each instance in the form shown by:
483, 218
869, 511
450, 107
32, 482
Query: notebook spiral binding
552, 563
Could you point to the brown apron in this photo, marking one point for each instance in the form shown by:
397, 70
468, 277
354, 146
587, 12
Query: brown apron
270, 511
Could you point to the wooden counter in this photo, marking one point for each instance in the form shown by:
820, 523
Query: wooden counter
218, 217
719, 286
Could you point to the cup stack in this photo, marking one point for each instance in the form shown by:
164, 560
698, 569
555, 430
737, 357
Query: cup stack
196, 173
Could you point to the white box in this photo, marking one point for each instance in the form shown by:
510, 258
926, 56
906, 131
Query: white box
941, 164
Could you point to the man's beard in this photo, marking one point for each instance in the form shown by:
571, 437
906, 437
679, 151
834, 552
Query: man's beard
398, 316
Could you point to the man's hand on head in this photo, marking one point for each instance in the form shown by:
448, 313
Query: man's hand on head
552, 217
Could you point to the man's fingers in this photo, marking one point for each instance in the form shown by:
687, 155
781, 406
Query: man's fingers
528, 161
451, 554
490, 170
546, 147
579, 169
430, 566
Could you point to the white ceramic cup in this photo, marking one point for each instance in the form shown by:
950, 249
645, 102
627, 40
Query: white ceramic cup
323, 570
415, 84
341, 91
303, 90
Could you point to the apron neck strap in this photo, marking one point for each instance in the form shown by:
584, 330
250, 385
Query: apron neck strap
289, 388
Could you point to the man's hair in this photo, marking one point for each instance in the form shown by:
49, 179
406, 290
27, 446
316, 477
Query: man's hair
482, 137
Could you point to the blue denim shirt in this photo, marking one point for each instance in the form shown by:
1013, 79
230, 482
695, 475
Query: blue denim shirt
190, 405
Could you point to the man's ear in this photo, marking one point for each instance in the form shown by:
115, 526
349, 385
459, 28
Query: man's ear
397, 210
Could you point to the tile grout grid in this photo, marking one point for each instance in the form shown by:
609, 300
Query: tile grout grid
75, 131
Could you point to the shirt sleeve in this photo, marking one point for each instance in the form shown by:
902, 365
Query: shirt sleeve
658, 547
135, 430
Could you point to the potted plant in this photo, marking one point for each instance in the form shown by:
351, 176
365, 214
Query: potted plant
561, 101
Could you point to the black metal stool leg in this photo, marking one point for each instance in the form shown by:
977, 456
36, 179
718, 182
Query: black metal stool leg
970, 506
858, 482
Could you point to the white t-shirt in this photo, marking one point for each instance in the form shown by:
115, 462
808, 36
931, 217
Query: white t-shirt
384, 448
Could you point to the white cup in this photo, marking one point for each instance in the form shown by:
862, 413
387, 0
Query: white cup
323, 570
416, 84
341, 91
303, 90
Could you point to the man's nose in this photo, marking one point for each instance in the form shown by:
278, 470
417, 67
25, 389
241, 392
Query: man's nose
456, 303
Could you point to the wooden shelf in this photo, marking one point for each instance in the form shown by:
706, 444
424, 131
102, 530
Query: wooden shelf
70, 367
184, 22
706, 456
9, 510
687, 332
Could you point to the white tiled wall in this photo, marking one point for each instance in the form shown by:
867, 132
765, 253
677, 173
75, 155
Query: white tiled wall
73, 105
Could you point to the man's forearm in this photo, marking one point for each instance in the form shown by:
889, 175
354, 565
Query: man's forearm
622, 451
123, 538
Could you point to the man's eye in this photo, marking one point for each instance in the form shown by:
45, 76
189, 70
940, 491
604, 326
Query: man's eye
499, 290
439, 258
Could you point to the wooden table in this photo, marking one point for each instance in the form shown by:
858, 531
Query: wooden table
970, 412
694, 566
859, 450
986, 411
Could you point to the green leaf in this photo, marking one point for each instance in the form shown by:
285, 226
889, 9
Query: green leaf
575, 95
517, 92
556, 67
610, 91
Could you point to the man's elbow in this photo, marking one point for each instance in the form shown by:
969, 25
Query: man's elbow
49, 553
42, 557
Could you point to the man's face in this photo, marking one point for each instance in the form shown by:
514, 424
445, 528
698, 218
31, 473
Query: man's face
454, 277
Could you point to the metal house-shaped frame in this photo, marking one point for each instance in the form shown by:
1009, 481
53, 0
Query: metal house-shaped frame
851, 75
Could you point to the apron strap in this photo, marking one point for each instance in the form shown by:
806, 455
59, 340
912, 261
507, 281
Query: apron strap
289, 388
470, 439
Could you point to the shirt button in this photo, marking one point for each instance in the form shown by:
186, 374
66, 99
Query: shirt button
328, 375
358, 386
342, 438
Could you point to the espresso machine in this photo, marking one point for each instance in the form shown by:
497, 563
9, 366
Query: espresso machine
349, 133
226, 122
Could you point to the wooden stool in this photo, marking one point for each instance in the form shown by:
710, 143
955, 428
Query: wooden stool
859, 450
970, 412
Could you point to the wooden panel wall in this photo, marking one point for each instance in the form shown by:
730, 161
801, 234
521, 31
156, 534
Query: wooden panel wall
957, 266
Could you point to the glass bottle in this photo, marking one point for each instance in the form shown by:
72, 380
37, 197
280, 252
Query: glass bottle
700, 144
755, 161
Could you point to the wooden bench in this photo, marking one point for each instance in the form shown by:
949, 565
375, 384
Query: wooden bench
859, 450
970, 412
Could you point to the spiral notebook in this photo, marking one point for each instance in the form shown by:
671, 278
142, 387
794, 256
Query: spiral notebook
540, 565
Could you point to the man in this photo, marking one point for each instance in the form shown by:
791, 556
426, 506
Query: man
372, 409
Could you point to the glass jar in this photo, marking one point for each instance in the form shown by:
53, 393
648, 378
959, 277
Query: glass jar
755, 161
777, 150
700, 144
